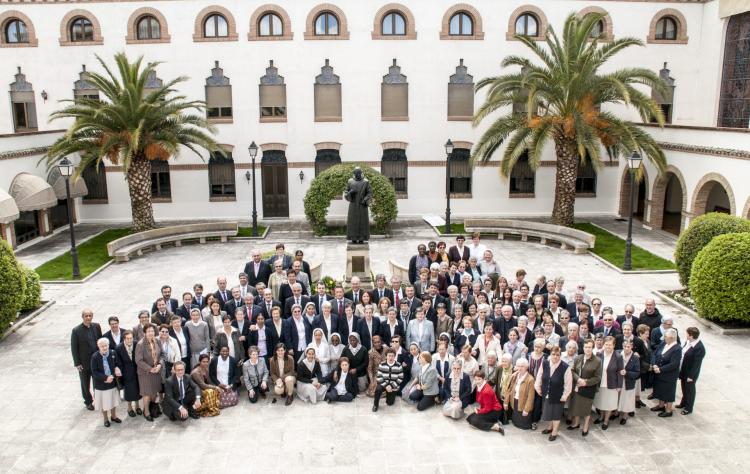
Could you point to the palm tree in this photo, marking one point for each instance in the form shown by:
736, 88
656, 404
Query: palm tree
562, 92
132, 127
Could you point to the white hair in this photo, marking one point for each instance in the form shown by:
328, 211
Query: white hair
103, 340
522, 363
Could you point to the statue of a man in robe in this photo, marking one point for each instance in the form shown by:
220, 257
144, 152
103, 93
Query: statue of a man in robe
359, 196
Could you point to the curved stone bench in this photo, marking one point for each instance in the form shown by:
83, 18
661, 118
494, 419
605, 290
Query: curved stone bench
316, 272
568, 238
122, 248
397, 269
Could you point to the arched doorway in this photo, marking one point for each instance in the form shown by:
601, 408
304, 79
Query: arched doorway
275, 187
713, 194
669, 201
639, 211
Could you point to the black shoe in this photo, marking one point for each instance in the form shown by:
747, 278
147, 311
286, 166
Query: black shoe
107, 424
552, 437
274, 400
631, 414
605, 426
374, 408
571, 428
194, 416
584, 433
657, 408
149, 418
116, 420
131, 413
138, 412
639, 404
546, 432
615, 416
650, 397
686, 412
90, 406
288, 401
665, 414
597, 421
172, 417
680, 406
623, 421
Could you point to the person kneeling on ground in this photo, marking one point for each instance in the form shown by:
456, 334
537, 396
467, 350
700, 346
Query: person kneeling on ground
390, 375
489, 413
255, 374
343, 386
181, 397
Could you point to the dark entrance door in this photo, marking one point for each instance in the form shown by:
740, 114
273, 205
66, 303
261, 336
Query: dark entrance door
275, 185
26, 226
59, 214
640, 206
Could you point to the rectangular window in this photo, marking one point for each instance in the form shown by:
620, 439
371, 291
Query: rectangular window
90, 94
219, 102
272, 102
586, 180
160, 181
394, 166
460, 101
522, 177
328, 102
96, 183
324, 159
394, 103
24, 116
460, 172
221, 175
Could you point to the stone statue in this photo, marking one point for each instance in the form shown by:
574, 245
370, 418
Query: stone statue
359, 196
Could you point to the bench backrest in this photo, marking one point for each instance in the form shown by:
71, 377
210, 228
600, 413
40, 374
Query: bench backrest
169, 231
530, 225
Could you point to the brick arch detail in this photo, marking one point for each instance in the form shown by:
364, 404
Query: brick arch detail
411, 32
286, 21
65, 39
132, 36
703, 189
273, 147
676, 15
317, 10
537, 12
608, 28
658, 194
625, 189
394, 145
473, 12
328, 146
15, 14
201, 17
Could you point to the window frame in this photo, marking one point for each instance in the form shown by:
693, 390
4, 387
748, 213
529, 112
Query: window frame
327, 14
459, 15
660, 33
156, 182
152, 20
225, 191
216, 16
392, 15
16, 21
453, 181
516, 189
586, 185
396, 155
271, 15
98, 193
526, 16
71, 29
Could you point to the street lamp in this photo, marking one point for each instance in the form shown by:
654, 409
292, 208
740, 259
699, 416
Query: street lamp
634, 162
448, 152
253, 149
67, 168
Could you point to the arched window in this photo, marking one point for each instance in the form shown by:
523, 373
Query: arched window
461, 24
734, 100
270, 25
148, 28
598, 30
394, 24
81, 29
666, 29
326, 158
326, 24
527, 25
16, 32
215, 26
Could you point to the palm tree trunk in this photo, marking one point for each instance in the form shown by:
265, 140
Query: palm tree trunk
565, 182
139, 186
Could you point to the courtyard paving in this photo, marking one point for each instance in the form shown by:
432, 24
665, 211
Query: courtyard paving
46, 429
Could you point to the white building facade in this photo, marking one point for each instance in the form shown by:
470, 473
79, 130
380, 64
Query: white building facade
366, 81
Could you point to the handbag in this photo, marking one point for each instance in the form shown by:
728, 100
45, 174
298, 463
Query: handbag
228, 398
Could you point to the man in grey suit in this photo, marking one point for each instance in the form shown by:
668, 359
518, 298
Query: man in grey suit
422, 332
339, 303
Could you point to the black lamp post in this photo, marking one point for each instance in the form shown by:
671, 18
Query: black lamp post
448, 152
67, 169
253, 149
634, 162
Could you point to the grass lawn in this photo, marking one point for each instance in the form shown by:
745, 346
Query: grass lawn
248, 231
456, 228
612, 249
92, 254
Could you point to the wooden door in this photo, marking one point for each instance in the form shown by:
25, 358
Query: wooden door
274, 184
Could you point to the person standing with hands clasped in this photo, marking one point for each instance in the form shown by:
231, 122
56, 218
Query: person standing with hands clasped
692, 357
104, 370
82, 346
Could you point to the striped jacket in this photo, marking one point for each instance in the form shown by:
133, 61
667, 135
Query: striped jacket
391, 375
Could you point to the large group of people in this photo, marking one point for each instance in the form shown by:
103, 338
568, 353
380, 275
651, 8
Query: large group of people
459, 334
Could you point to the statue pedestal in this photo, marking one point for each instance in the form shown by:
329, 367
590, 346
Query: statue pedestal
358, 263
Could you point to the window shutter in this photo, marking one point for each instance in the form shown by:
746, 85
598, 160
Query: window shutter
327, 101
218, 96
460, 100
273, 95
395, 100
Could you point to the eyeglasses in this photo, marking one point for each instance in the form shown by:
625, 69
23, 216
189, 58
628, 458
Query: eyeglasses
596, 304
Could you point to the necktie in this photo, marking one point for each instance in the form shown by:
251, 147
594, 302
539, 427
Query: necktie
296, 300
182, 391
395, 297
606, 332
341, 308
224, 295
356, 297
200, 299
320, 305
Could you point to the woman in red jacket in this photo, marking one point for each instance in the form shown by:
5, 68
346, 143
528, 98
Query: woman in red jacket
489, 413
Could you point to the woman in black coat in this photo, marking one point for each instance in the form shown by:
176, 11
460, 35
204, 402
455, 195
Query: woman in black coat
665, 363
125, 353
104, 372
349, 386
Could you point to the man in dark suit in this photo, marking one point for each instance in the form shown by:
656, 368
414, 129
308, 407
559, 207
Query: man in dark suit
504, 323
285, 291
692, 358
250, 309
458, 252
657, 335
256, 269
166, 294
417, 262
286, 260
82, 346
575, 307
181, 395
114, 335
519, 307
222, 294
367, 327
198, 297
608, 328
267, 303
290, 334
236, 301
162, 315
187, 304
320, 297
296, 298
355, 294
380, 291
629, 316
339, 303
430, 313
412, 301
326, 321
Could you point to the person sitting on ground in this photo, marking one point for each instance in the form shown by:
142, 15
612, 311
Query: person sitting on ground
490, 412
209, 392
283, 375
343, 387
181, 395
456, 392
390, 376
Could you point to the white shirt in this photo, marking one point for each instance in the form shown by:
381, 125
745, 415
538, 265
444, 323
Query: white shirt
519, 381
116, 337
341, 386
420, 328
262, 348
477, 251
183, 343
222, 370
301, 339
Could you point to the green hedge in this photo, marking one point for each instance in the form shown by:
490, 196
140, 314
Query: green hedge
718, 282
32, 298
699, 233
332, 182
12, 286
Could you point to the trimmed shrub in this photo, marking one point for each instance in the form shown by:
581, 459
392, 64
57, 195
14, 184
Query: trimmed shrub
718, 282
12, 286
32, 298
332, 182
699, 233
